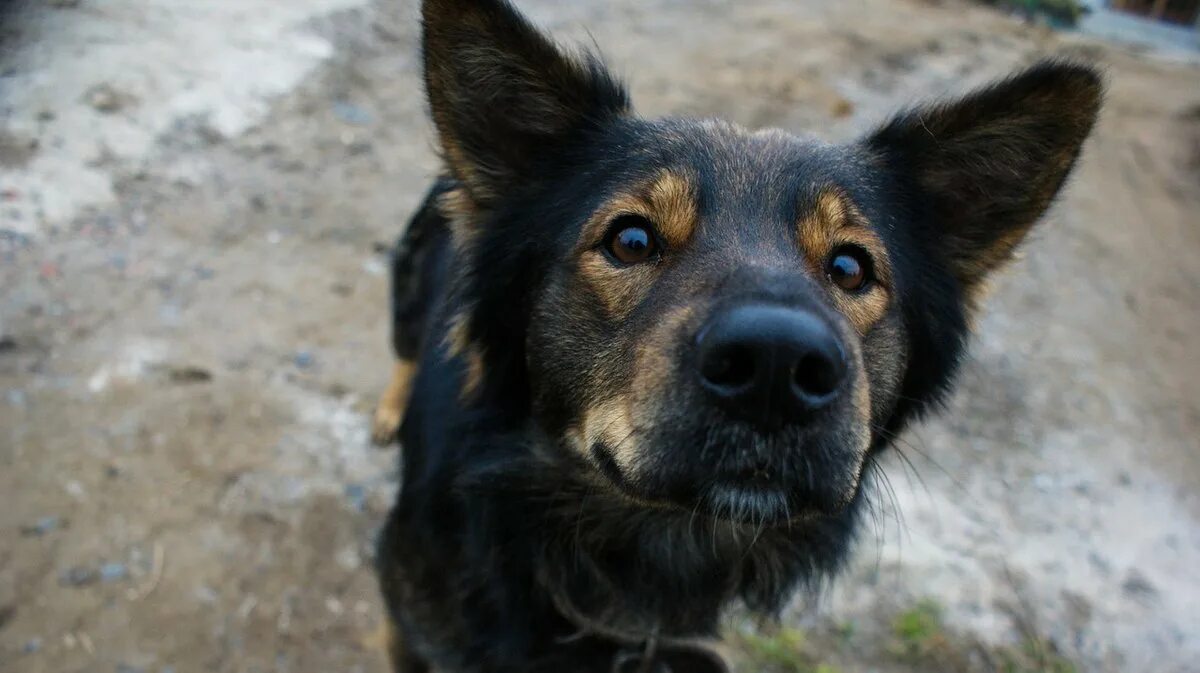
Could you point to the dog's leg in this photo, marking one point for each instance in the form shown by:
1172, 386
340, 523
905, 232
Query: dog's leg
403, 660
415, 284
390, 410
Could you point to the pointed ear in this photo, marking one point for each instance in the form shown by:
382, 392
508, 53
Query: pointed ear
502, 94
984, 168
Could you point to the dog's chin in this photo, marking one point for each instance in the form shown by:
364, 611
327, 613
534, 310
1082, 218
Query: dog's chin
756, 504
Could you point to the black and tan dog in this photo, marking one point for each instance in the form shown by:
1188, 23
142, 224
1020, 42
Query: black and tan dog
652, 362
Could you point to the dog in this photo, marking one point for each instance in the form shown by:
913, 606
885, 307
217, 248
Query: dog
645, 368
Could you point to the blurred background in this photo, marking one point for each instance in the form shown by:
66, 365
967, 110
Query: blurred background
196, 202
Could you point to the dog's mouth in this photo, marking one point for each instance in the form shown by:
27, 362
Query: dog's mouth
742, 476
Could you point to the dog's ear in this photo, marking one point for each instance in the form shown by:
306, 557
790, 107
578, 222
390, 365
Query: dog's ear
503, 95
984, 168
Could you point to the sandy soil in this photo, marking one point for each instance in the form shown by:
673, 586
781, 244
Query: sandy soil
193, 327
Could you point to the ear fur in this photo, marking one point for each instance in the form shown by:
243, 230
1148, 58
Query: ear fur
503, 96
984, 168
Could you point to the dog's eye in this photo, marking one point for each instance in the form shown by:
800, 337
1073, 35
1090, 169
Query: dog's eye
631, 240
849, 268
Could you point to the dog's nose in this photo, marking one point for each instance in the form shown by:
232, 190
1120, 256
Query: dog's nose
769, 363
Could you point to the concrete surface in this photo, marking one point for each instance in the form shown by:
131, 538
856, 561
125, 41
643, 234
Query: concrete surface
193, 326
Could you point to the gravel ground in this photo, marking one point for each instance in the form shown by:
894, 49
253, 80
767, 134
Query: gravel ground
194, 201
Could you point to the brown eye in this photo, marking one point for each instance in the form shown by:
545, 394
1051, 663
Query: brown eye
631, 240
850, 268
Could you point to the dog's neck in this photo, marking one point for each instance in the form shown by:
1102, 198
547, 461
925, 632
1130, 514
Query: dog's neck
629, 571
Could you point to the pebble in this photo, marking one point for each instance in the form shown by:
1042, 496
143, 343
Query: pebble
126, 668
303, 359
1137, 585
17, 398
170, 315
357, 495
1043, 482
104, 98
44, 525
32, 645
189, 374
7, 343
77, 577
350, 113
113, 572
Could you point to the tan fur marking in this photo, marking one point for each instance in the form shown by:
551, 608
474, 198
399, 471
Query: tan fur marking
834, 222
392, 404
861, 427
458, 334
473, 377
459, 345
669, 202
461, 213
611, 422
655, 360
618, 289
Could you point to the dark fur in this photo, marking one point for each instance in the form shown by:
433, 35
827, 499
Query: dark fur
510, 550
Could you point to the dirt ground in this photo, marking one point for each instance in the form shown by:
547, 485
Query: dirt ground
193, 327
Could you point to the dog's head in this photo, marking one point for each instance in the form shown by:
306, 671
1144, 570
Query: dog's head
712, 318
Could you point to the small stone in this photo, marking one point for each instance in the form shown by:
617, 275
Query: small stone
77, 577
106, 99
126, 668
113, 572
7, 344
303, 359
1043, 482
357, 495
1138, 586
374, 267
348, 558
170, 314
1099, 563
350, 113
42, 526
189, 374
32, 645
17, 398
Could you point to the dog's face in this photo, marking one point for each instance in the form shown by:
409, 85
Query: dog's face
714, 319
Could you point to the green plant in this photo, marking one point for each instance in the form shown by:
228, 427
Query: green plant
783, 651
919, 629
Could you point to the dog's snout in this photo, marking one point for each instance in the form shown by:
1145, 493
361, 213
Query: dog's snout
769, 363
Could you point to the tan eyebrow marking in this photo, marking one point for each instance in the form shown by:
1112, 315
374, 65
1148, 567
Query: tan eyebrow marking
835, 221
668, 200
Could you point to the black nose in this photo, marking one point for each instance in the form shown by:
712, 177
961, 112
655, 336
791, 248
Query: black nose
769, 363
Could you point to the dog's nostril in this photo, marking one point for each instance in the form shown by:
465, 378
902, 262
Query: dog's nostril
730, 367
816, 375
